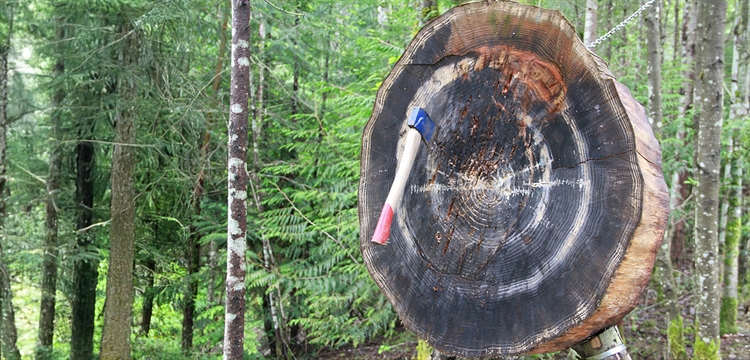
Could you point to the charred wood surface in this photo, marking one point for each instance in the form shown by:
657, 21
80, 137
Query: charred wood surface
532, 219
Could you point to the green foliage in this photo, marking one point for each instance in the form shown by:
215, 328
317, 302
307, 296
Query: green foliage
676, 339
728, 316
706, 350
423, 350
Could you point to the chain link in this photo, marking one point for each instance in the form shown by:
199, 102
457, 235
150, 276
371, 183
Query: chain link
620, 25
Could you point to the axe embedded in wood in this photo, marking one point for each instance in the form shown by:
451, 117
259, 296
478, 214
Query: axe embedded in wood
420, 124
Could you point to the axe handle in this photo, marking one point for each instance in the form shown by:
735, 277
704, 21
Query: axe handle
383, 229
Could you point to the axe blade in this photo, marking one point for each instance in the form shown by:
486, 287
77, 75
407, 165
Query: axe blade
419, 120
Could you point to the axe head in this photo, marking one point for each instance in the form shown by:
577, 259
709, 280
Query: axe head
419, 120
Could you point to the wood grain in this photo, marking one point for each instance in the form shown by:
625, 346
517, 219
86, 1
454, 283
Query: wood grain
532, 219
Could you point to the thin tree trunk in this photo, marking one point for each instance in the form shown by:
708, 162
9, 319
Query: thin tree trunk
234, 322
193, 266
193, 246
589, 27
729, 300
744, 94
686, 104
711, 20
669, 290
9, 333
49, 266
653, 39
638, 54
608, 24
295, 72
118, 312
732, 222
4, 50
676, 39
725, 182
148, 296
697, 64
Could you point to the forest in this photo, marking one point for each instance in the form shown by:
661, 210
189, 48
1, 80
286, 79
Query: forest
114, 184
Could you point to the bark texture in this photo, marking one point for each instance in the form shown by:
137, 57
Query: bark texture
729, 299
86, 259
148, 297
731, 221
118, 312
8, 328
589, 27
680, 187
193, 266
49, 266
234, 322
653, 40
709, 95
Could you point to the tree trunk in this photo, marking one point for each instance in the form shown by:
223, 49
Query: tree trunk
686, 104
193, 265
726, 184
4, 50
118, 309
9, 334
589, 28
86, 263
653, 41
234, 323
638, 54
608, 25
731, 223
148, 296
49, 266
295, 71
193, 250
676, 39
729, 300
711, 20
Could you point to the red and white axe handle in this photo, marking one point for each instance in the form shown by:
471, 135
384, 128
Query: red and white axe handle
383, 229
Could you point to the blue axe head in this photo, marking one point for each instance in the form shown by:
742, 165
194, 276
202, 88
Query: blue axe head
419, 120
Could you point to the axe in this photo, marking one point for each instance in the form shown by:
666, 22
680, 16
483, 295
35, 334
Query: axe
420, 125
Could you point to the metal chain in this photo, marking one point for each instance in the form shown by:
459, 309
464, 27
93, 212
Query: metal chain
620, 25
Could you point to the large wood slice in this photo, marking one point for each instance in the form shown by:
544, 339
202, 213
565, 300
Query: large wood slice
532, 219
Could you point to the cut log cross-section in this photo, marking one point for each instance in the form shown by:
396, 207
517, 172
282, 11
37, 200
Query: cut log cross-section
532, 219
